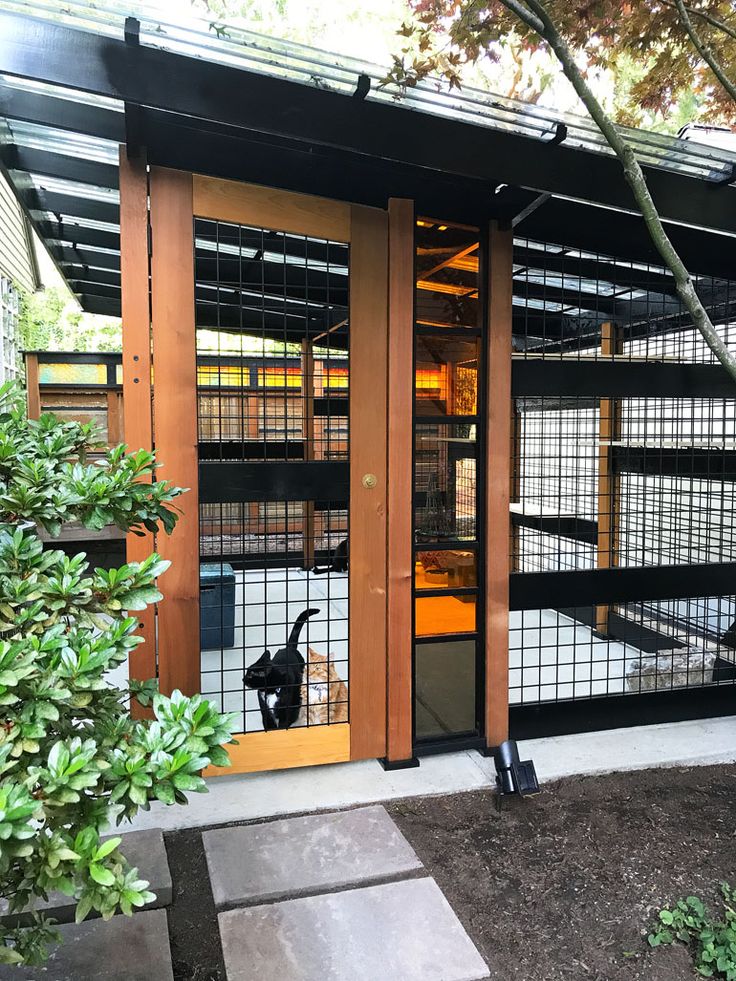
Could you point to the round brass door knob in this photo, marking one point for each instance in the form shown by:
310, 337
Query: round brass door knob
369, 480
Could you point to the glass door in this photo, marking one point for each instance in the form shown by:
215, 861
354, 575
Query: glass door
447, 362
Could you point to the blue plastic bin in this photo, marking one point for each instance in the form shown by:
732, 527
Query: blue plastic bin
216, 606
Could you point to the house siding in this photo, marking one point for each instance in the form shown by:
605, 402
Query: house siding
16, 263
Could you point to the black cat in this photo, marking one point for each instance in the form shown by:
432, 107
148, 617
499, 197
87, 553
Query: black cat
278, 680
339, 562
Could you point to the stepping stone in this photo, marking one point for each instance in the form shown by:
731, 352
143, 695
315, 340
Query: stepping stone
298, 856
400, 931
126, 948
145, 851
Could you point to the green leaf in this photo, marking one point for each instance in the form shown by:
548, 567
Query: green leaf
84, 908
10, 956
101, 875
106, 847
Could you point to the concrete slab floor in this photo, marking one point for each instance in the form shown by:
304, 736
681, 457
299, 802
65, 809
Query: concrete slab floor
252, 796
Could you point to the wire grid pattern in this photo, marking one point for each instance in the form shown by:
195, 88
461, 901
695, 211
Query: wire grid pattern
563, 296
606, 481
659, 646
272, 381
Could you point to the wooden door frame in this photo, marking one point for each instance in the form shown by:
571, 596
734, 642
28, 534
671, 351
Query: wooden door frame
176, 198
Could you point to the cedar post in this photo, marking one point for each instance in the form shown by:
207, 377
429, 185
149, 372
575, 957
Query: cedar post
368, 486
399, 749
175, 422
498, 481
33, 391
136, 375
608, 480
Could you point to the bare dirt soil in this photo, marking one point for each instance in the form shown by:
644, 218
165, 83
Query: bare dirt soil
559, 887
564, 885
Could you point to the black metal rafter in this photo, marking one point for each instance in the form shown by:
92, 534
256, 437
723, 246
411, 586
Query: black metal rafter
58, 165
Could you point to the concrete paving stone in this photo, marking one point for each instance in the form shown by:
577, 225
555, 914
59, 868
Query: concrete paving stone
144, 850
399, 931
125, 948
297, 856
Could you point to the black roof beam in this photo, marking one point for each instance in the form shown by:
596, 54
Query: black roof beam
91, 288
100, 304
622, 276
87, 257
147, 76
84, 274
48, 110
68, 231
59, 165
186, 144
624, 236
72, 206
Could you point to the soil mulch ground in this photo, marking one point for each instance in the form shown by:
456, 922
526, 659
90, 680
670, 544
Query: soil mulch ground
564, 885
557, 887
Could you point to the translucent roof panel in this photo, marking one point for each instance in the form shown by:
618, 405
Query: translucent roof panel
231, 45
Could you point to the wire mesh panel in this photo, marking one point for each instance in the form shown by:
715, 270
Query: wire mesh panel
622, 458
273, 377
656, 646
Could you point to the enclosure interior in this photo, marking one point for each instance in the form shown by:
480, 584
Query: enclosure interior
608, 471
273, 381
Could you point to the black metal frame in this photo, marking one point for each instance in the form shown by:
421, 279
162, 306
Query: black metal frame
433, 745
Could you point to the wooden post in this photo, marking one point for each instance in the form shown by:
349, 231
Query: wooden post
136, 375
307, 365
175, 422
399, 749
114, 428
609, 430
498, 481
33, 391
368, 438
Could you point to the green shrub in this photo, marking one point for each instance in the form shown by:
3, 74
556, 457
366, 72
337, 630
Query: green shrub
712, 942
72, 760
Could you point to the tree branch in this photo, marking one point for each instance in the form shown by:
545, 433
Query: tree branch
720, 25
524, 14
536, 11
705, 51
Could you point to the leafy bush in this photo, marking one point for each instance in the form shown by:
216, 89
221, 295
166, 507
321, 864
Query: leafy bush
712, 942
72, 760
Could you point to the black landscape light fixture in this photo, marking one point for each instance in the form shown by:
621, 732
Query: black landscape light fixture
512, 775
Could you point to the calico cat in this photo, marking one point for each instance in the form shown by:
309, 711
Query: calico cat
278, 680
339, 561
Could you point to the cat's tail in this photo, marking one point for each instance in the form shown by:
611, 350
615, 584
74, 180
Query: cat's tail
298, 624
317, 571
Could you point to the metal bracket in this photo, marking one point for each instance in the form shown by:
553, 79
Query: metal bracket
362, 88
558, 136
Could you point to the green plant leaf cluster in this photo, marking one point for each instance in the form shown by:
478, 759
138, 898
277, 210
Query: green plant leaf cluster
46, 476
711, 941
73, 762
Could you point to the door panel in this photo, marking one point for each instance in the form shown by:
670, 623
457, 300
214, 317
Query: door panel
289, 425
